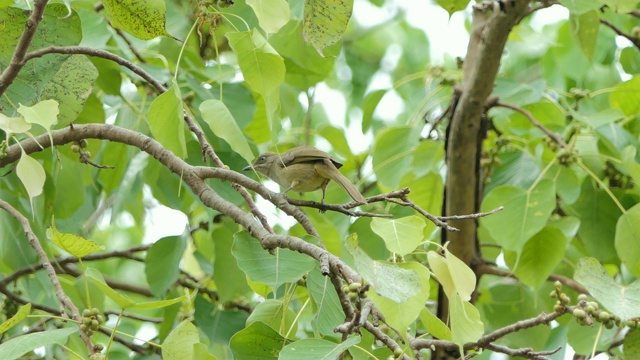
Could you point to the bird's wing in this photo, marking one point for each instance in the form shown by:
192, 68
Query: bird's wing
307, 154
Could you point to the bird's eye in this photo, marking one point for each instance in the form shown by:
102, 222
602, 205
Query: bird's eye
262, 158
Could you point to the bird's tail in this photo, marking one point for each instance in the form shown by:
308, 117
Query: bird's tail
348, 186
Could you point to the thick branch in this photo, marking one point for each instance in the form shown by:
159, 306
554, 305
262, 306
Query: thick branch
207, 150
191, 177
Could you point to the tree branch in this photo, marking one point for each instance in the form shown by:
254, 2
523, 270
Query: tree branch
557, 138
18, 59
44, 260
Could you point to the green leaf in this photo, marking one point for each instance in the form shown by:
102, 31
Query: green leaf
274, 270
201, 352
585, 29
434, 325
632, 345
230, 281
369, 105
223, 125
388, 279
329, 313
527, 211
453, 274
578, 7
466, 325
626, 96
148, 305
623, 301
630, 60
166, 122
392, 158
18, 346
277, 315
517, 168
96, 277
627, 239
305, 66
519, 93
453, 5
257, 341
32, 176
263, 69
540, 256
124, 301
325, 21
45, 113
75, 245
162, 264
271, 14
598, 215
20, 315
629, 164
401, 236
142, 19
312, 349
67, 79
179, 343
13, 125
567, 184
402, 315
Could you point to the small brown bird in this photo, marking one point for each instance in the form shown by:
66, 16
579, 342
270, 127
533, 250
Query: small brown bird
304, 169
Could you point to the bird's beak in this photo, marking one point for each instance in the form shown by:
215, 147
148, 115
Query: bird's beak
246, 168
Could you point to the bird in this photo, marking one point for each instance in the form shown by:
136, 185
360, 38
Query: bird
304, 169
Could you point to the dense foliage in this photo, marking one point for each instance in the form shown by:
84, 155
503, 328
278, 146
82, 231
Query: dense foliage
502, 192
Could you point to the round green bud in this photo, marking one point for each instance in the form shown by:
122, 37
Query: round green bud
579, 313
75, 148
83, 143
86, 313
582, 297
603, 316
609, 324
355, 287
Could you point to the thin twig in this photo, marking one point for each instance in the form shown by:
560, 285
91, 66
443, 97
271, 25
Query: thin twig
634, 40
65, 301
557, 138
130, 45
471, 216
